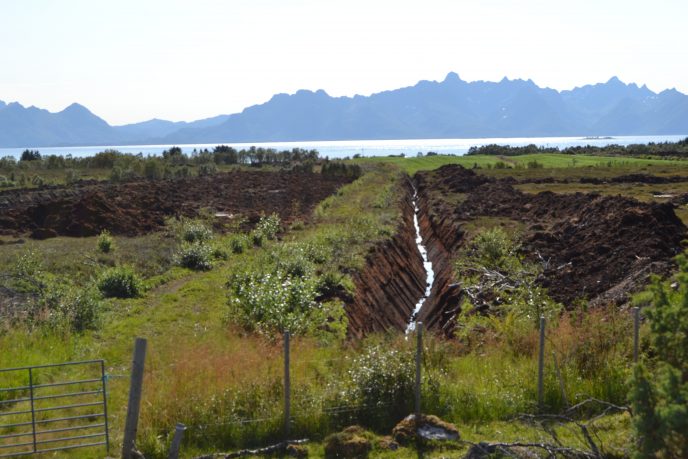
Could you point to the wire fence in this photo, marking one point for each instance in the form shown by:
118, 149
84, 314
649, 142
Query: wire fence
299, 408
41, 417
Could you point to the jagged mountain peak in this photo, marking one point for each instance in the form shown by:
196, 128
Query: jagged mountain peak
451, 108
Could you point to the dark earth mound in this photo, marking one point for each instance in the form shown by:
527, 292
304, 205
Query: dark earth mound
595, 247
139, 207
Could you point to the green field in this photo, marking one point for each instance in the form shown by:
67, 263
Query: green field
411, 165
213, 367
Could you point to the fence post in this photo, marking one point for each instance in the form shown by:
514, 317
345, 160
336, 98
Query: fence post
541, 363
177, 441
134, 406
287, 387
419, 357
636, 332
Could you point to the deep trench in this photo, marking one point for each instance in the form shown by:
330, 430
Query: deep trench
427, 265
394, 288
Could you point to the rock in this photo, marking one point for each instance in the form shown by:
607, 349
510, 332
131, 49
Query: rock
431, 428
297, 451
352, 443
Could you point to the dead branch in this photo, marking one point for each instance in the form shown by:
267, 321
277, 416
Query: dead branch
483, 449
255, 452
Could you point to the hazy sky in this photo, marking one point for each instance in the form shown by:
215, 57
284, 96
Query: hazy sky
131, 60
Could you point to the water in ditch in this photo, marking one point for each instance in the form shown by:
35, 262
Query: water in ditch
427, 265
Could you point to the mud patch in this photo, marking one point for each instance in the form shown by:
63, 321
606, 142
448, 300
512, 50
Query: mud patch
140, 207
599, 248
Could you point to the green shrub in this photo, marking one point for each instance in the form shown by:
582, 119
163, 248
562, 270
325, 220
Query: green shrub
189, 230
70, 307
120, 282
182, 172
269, 226
195, 231
71, 176
382, 381
275, 302
219, 253
152, 169
496, 276
257, 238
197, 256
207, 169
105, 242
238, 243
660, 396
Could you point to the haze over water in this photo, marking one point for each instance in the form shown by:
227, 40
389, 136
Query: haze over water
347, 148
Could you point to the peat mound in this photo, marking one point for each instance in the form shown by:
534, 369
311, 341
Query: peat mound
590, 242
601, 248
139, 207
458, 179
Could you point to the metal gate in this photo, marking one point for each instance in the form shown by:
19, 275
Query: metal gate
37, 416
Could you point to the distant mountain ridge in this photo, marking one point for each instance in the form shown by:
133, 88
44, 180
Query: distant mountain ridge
451, 108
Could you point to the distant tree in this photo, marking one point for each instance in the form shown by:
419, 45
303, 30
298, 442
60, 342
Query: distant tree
30, 155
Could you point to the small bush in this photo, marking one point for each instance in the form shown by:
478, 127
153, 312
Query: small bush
238, 243
258, 238
275, 302
195, 231
219, 253
269, 226
207, 169
120, 282
105, 242
382, 380
197, 256
71, 176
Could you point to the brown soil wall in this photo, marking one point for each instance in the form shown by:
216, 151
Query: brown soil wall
391, 283
442, 236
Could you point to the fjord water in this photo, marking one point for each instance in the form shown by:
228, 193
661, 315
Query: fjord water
343, 148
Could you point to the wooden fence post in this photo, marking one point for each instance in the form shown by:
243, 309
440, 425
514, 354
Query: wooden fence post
541, 364
177, 441
134, 406
287, 387
419, 358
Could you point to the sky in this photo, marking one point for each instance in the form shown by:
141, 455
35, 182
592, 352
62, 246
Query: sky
133, 60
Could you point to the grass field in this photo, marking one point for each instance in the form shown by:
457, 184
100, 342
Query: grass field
411, 165
207, 370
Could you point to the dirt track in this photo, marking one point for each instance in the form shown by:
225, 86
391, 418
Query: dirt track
596, 247
140, 207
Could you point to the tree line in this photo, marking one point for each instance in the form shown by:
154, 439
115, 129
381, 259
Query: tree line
664, 149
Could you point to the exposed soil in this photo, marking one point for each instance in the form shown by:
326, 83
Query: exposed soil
596, 247
392, 281
139, 207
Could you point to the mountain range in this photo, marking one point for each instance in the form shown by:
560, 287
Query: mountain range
451, 108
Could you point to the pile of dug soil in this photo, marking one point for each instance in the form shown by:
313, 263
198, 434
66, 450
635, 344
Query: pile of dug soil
595, 247
140, 207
